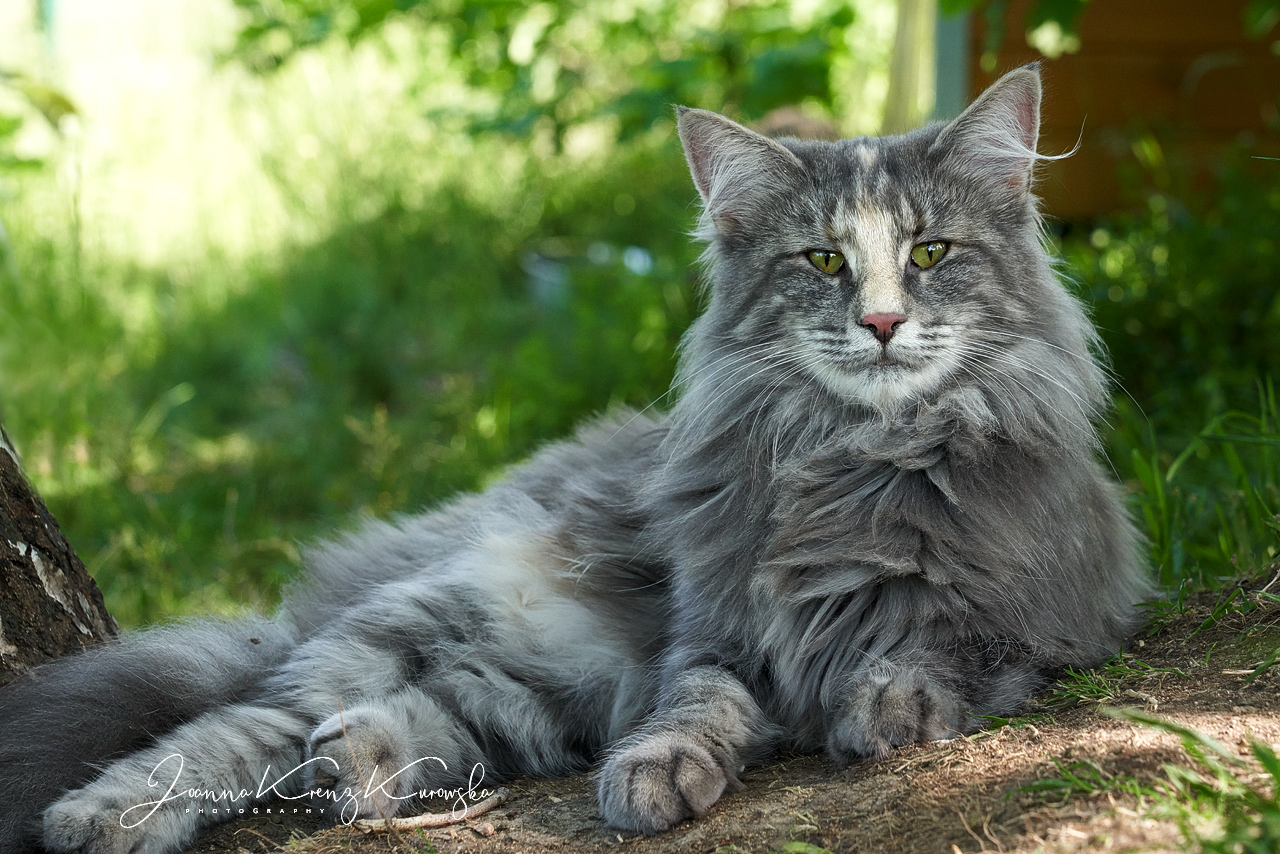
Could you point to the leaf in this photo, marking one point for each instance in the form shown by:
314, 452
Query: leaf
1194, 741
10, 163
802, 848
1267, 757
1263, 667
1064, 13
1261, 16
9, 125
51, 103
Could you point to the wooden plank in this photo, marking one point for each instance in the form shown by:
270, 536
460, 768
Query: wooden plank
1127, 24
1183, 71
1089, 183
1216, 93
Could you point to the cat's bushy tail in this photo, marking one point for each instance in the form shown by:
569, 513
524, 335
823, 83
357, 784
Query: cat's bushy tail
61, 722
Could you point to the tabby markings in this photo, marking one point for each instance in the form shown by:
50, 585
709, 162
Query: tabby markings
874, 234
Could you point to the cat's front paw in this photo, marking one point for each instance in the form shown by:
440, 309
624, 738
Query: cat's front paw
890, 708
94, 821
660, 779
360, 761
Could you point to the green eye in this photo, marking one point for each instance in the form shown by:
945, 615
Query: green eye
826, 261
925, 255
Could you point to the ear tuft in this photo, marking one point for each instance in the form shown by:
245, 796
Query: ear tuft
996, 136
732, 167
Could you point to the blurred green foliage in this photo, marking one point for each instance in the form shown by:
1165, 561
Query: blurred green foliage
1187, 297
1063, 14
572, 61
22, 101
398, 360
1186, 291
1261, 17
25, 100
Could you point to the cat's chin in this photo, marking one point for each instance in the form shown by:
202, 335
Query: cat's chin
888, 388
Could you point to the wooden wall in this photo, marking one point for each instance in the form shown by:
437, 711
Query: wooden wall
1183, 72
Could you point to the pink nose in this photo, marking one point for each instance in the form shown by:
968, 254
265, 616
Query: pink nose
882, 325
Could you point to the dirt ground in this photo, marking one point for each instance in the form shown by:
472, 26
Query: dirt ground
965, 795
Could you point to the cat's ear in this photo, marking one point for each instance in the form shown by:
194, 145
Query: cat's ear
733, 167
996, 136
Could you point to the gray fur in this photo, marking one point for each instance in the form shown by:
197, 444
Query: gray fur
829, 543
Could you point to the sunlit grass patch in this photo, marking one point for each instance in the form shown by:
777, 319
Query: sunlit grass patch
1086, 777
1119, 679
1222, 802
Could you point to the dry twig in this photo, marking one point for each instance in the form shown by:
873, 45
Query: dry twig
434, 819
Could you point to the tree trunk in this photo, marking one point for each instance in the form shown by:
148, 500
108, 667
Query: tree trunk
49, 606
911, 70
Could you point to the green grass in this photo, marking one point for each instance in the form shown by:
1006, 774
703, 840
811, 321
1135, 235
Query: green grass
1222, 803
1210, 512
1105, 683
1183, 293
1085, 777
796, 847
994, 722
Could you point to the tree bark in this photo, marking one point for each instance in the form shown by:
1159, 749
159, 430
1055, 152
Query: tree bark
911, 69
49, 606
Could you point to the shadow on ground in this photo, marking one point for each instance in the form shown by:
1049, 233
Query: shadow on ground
966, 795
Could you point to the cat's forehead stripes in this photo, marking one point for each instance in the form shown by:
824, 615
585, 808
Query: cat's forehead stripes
858, 173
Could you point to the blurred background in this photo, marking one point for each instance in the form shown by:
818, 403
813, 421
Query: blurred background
267, 266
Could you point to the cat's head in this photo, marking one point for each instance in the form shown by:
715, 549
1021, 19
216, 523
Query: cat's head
886, 269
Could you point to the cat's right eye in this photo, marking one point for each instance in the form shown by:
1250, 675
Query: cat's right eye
827, 261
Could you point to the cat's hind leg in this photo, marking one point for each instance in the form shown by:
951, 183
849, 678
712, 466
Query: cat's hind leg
371, 759
474, 725
156, 800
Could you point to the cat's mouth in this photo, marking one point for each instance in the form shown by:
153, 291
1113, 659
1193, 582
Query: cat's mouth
886, 358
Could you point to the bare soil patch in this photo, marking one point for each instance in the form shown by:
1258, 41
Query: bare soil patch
966, 795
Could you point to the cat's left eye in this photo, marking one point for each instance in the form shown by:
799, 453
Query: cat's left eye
827, 261
925, 255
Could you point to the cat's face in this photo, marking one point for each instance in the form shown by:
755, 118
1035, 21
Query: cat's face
884, 269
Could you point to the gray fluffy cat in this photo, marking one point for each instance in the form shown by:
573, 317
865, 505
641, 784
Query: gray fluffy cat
875, 513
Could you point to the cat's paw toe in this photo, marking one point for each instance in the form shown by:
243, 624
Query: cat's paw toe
360, 762
660, 780
87, 822
71, 825
892, 708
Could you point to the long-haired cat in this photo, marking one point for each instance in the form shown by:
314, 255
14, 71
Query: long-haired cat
875, 514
